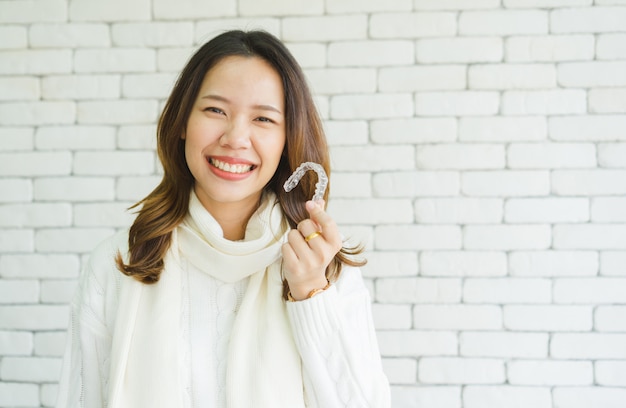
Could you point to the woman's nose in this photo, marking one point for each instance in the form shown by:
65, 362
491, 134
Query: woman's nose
236, 135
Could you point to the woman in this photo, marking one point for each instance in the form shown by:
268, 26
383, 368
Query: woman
233, 293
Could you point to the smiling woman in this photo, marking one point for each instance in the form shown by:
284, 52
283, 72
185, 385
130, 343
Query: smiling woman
232, 293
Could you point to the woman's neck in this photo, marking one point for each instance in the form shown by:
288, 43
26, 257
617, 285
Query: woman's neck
232, 217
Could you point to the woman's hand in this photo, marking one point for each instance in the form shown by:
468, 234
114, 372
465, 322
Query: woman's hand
306, 260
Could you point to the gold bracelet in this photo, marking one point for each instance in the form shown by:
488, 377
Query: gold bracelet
311, 293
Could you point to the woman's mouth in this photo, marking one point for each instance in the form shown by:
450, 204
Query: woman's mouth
235, 168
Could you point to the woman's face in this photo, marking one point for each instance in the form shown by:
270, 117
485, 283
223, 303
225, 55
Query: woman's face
236, 132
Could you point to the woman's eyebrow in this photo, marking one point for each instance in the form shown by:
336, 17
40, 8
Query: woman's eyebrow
227, 101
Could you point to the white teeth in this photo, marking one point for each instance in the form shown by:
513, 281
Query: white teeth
231, 168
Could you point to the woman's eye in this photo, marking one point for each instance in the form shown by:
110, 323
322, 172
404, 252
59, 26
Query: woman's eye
214, 110
264, 119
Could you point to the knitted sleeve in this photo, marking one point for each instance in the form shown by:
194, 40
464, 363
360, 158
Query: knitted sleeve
334, 333
84, 375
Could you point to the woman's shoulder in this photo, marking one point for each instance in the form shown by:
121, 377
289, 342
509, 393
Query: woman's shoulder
100, 269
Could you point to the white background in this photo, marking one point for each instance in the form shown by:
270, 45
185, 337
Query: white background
479, 150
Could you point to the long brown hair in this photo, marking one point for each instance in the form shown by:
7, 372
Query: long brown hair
166, 206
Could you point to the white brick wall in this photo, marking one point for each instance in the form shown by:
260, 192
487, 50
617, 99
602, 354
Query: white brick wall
479, 152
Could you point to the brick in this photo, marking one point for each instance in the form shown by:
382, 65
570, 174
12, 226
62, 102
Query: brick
390, 317
426, 397
48, 394
372, 211
422, 78
57, 291
322, 104
16, 240
134, 188
66, 35
148, 85
79, 87
612, 263
405, 343
75, 137
32, 369
550, 48
153, 34
507, 237
14, 139
463, 263
371, 106
35, 163
610, 373
13, 37
607, 100
451, 370
418, 290
458, 211
114, 60
342, 80
372, 158
35, 215
553, 263
507, 290
587, 128
15, 190
610, 318
207, 29
612, 155
358, 235
503, 129
413, 130
371, 53
551, 102
35, 62
111, 11
74, 189
512, 76
550, 373
504, 345
507, 183
459, 50
412, 25
50, 344
390, 264
19, 291
346, 132
351, 185
590, 183
37, 113
309, 55
29, 11
137, 137
416, 184
588, 20
325, 28
173, 59
350, 6
590, 291
400, 370
594, 346
18, 394
611, 46
19, 88
548, 318
118, 112
545, 3
501, 396
25, 266
608, 209
74, 240
14, 343
503, 22
456, 103
546, 210
34, 317
460, 156
592, 74
417, 237
590, 236
455, 4
275, 8
457, 317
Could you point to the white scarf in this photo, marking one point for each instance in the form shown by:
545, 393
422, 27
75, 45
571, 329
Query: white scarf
263, 365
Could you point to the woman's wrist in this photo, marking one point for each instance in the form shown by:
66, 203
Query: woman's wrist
302, 292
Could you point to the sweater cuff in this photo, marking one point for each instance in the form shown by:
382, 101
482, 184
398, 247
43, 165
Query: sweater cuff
314, 320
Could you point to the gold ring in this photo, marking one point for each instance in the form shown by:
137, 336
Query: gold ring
313, 235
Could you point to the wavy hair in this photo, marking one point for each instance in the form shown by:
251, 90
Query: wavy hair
166, 206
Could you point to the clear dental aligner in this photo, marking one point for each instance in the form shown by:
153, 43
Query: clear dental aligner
322, 179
